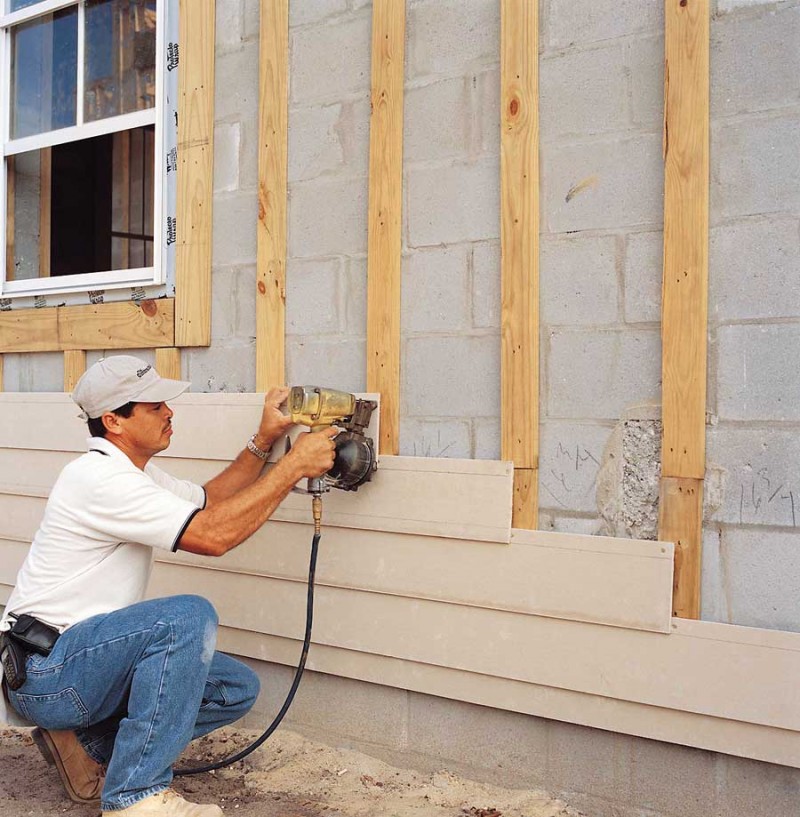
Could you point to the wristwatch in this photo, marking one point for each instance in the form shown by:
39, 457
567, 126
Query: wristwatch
254, 449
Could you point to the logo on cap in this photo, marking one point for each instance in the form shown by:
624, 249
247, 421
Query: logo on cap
143, 372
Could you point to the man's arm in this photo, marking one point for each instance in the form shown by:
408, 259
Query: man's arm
246, 468
226, 524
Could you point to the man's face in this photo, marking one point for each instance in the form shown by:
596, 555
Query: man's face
149, 428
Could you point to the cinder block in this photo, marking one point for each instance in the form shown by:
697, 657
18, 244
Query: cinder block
234, 229
755, 166
312, 296
671, 779
354, 295
598, 374
502, 743
229, 25
725, 6
434, 438
644, 264
328, 216
452, 377
330, 61
578, 279
755, 61
312, 11
757, 372
562, 523
42, 371
753, 270
761, 569
229, 368
488, 84
244, 302
348, 709
314, 143
603, 184
760, 475
596, 762
713, 598
644, 66
339, 364
486, 285
353, 132
223, 309
486, 438
226, 157
570, 457
248, 153
434, 290
236, 83
584, 21
439, 120
757, 789
443, 39
454, 203
251, 19
582, 92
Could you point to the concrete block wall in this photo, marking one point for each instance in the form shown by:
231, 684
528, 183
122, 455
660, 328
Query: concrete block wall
751, 540
601, 78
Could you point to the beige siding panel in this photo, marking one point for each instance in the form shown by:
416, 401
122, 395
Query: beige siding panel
609, 581
20, 516
755, 669
13, 555
714, 734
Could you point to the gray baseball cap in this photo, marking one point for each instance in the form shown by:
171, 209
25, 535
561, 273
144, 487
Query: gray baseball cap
114, 381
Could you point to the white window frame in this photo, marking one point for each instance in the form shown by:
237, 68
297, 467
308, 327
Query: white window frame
110, 279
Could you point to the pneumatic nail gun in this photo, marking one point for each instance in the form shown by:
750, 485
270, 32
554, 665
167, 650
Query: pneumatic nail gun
355, 459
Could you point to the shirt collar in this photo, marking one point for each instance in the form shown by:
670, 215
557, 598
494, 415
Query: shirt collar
102, 445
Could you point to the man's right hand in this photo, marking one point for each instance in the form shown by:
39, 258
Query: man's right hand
312, 453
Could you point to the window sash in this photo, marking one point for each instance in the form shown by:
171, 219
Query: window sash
110, 279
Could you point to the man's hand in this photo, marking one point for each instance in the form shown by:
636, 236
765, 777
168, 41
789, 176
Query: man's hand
273, 421
312, 453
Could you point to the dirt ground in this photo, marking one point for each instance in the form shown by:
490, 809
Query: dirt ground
288, 776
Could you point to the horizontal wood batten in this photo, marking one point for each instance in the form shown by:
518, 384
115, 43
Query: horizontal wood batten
121, 325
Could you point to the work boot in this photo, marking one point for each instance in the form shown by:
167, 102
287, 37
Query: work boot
166, 804
82, 777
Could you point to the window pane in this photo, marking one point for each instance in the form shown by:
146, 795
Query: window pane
16, 5
82, 207
44, 59
120, 61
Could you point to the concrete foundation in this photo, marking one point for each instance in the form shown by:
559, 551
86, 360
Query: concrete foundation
604, 774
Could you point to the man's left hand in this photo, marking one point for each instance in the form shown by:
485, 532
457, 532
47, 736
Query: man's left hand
273, 421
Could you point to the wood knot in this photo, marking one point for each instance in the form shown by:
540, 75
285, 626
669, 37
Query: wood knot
261, 287
513, 108
149, 308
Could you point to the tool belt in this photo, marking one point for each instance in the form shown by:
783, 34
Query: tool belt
27, 635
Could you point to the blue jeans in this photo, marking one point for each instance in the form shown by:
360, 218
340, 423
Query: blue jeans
136, 686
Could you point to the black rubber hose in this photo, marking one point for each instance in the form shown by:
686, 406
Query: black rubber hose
296, 683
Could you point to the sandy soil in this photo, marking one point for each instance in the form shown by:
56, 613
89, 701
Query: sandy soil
288, 776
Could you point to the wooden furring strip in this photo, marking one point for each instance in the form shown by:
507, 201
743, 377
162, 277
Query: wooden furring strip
120, 325
272, 192
195, 173
168, 363
684, 325
74, 367
519, 168
385, 214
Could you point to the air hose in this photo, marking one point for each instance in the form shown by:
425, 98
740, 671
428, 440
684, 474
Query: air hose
295, 683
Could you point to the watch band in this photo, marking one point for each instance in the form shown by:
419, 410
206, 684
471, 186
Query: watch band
254, 449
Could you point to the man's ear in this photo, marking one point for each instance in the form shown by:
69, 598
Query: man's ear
112, 423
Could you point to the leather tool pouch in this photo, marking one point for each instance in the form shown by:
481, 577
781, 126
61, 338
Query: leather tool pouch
13, 658
32, 634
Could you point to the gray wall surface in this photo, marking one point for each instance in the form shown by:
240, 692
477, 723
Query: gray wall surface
601, 78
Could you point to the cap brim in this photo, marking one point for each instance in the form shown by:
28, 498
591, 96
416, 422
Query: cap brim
161, 391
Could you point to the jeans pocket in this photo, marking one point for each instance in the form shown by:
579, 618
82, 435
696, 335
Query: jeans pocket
59, 710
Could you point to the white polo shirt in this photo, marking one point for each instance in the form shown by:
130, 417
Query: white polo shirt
94, 549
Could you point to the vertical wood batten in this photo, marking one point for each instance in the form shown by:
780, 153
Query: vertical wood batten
272, 194
195, 173
685, 291
519, 238
74, 367
168, 362
385, 216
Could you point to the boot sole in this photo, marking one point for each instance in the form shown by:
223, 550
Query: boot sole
49, 752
